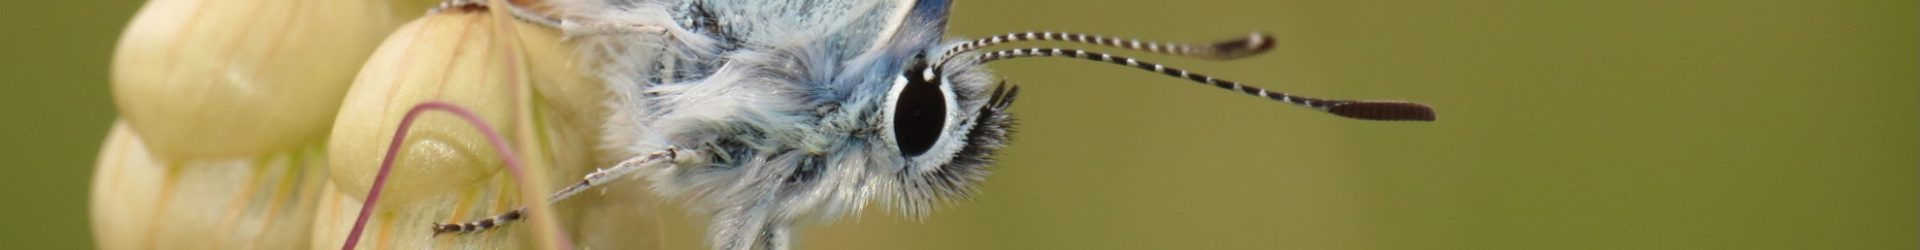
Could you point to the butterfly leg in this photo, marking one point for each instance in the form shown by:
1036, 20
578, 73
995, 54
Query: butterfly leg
593, 180
521, 13
576, 27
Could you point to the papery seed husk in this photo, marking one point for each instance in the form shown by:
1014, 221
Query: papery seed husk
451, 57
213, 79
141, 202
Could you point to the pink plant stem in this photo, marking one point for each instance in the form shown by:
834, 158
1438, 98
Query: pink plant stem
500, 147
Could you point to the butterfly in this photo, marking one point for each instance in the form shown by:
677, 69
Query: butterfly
765, 114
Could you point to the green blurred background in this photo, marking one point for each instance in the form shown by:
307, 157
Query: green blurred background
1563, 125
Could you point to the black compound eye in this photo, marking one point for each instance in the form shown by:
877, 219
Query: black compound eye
919, 110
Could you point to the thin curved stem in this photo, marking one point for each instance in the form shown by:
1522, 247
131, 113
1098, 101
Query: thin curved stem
500, 146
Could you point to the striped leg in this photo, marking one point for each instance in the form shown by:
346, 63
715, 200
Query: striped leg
596, 179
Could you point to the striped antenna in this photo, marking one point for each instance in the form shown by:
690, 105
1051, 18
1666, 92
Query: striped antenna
1357, 109
1252, 44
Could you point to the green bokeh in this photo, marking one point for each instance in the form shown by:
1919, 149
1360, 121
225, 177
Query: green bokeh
1563, 125
57, 110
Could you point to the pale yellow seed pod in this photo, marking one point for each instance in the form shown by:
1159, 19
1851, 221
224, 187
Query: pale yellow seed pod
447, 171
446, 57
451, 57
141, 202
203, 79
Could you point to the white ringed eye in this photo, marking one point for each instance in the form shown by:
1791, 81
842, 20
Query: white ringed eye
920, 111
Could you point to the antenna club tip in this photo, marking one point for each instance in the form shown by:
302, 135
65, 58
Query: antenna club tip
1260, 41
1253, 44
1384, 111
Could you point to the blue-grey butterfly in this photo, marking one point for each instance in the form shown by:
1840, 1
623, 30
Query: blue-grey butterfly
765, 113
